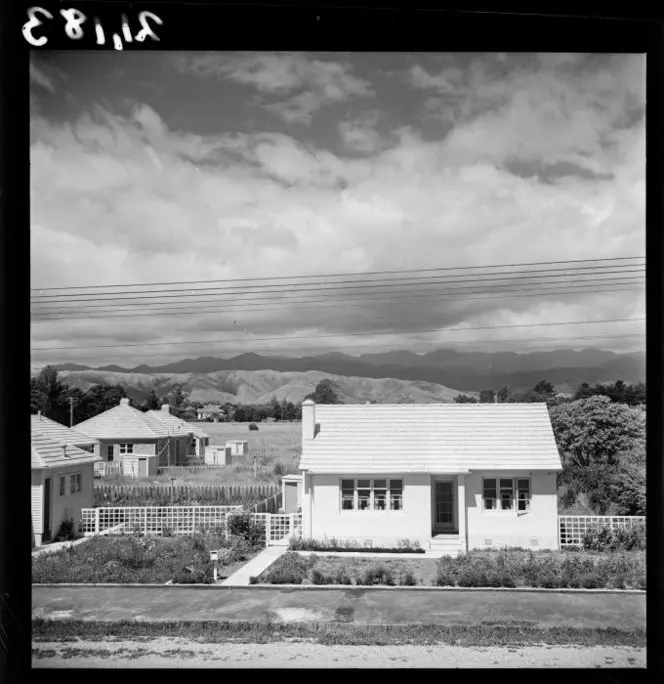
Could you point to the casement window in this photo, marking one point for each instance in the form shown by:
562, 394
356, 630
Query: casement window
126, 448
63, 485
506, 494
109, 453
372, 495
75, 483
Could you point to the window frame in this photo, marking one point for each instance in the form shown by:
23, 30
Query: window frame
78, 479
62, 485
515, 499
386, 488
128, 448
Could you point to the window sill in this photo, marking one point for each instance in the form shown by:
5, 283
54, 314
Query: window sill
371, 513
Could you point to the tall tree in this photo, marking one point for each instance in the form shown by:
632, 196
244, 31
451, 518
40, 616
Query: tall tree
545, 388
152, 402
464, 399
487, 396
504, 395
100, 398
325, 393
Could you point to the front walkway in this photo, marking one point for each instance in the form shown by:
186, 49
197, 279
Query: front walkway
57, 546
255, 566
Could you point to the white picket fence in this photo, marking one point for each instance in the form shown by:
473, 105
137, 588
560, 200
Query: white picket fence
572, 528
157, 520
106, 468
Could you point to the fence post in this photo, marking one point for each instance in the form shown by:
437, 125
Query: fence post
267, 529
97, 520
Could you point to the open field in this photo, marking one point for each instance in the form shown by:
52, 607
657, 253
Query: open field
295, 653
276, 437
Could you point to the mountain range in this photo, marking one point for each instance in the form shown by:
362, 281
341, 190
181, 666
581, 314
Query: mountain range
251, 377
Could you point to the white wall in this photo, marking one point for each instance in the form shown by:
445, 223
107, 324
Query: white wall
385, 528
69, 506
505, 528
37, 502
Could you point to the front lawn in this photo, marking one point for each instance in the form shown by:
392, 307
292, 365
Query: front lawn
143, 560
503, 568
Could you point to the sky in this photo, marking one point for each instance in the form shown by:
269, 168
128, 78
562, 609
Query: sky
161, 167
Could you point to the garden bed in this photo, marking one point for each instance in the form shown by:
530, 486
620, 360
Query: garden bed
345, 546
144, 560
504, 568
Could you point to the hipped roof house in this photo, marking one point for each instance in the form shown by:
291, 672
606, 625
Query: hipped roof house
124, 422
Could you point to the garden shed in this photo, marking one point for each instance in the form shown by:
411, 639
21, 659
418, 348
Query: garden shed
217, 455
239, 447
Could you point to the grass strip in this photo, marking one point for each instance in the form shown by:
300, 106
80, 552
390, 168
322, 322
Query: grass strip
330, 634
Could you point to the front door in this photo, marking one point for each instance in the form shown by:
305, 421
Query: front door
47, 509
444, 518
290, 505
142, 467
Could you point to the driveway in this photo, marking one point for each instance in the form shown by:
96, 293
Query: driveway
359, 606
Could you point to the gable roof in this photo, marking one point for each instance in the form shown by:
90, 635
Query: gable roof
430, 438
47, 452
60, 433
123, 422
170, 421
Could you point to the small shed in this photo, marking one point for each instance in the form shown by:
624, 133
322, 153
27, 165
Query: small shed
291, 493
239, 447
217, 455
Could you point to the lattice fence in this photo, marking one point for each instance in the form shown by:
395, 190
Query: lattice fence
279, 527
572, 528
154, 519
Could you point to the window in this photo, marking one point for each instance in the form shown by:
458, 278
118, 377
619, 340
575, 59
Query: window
109, 453
499, 494
63, 485
75, 483
126, 448
367, 495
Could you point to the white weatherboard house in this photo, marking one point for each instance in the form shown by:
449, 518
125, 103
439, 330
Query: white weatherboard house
451, 476
62, 463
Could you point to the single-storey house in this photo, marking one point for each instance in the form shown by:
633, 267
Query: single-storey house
291, 493
218, 455
451, 476
200, 438
239, 447
62, 476
209, 411
136, 440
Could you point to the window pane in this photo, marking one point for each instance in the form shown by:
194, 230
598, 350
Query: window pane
380, 484
506, 501
396, 485
523, 484
380, 500
62, 486
363, 499
490, 486
489, 493
396, 501
489, 503
347, 484
507, 484
363, 484
347, 500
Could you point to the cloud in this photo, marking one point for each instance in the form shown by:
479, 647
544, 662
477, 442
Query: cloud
311, 84
39, 78
119, 196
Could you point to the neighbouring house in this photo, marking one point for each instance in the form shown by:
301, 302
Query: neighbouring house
209, 411
62, 476
218, 455
291, 493
451, 476
136, 440
239, 447
200, 438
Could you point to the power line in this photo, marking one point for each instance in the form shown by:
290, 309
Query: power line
335, 275
361, 285
373, 346
356, 334
391, 282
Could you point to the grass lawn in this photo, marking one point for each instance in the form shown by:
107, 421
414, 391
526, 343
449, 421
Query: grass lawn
507, 568
272, 438
144, 560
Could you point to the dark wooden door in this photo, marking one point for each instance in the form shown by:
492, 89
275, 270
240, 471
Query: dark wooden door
444, 507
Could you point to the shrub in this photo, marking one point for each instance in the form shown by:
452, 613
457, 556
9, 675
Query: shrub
278, 469
244, 526
317, 577
253, 426
66, 531
377, 574
253, 580
445, 578
289, 569
408, 580
342, 577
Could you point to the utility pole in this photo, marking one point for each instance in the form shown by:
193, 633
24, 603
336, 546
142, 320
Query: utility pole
71, 411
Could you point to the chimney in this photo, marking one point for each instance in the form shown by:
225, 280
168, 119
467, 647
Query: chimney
39, 414
124, 402
166, 407
308, 419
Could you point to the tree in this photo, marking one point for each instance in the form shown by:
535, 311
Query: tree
152, 402
545, 388
464, 399
47, 393
100, 398
325, 393
275, 409
596, 430
504, 395
487, 397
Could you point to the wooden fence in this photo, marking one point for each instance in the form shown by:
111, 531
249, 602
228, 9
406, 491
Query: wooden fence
572, 528
137, 495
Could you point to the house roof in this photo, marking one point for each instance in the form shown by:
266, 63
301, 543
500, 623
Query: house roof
171, 421
47, 452
60, 433
123, 422
430, 438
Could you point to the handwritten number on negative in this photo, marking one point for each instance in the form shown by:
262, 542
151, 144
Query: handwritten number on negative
32, 23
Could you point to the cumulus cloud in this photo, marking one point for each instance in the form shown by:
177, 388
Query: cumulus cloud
119, 196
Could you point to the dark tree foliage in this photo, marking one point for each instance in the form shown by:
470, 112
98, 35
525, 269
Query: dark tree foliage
464, 399
618, 392
325, 393
487, 396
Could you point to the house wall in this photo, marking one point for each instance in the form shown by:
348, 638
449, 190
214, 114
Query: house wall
37, 503
130, 465
505, 528
145, 446
69, 506
384, 528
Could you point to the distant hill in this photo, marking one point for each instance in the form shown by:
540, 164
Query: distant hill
468, 371
259, 386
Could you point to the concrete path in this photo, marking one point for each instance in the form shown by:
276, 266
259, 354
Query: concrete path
58, 546
255, 566
360, 606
